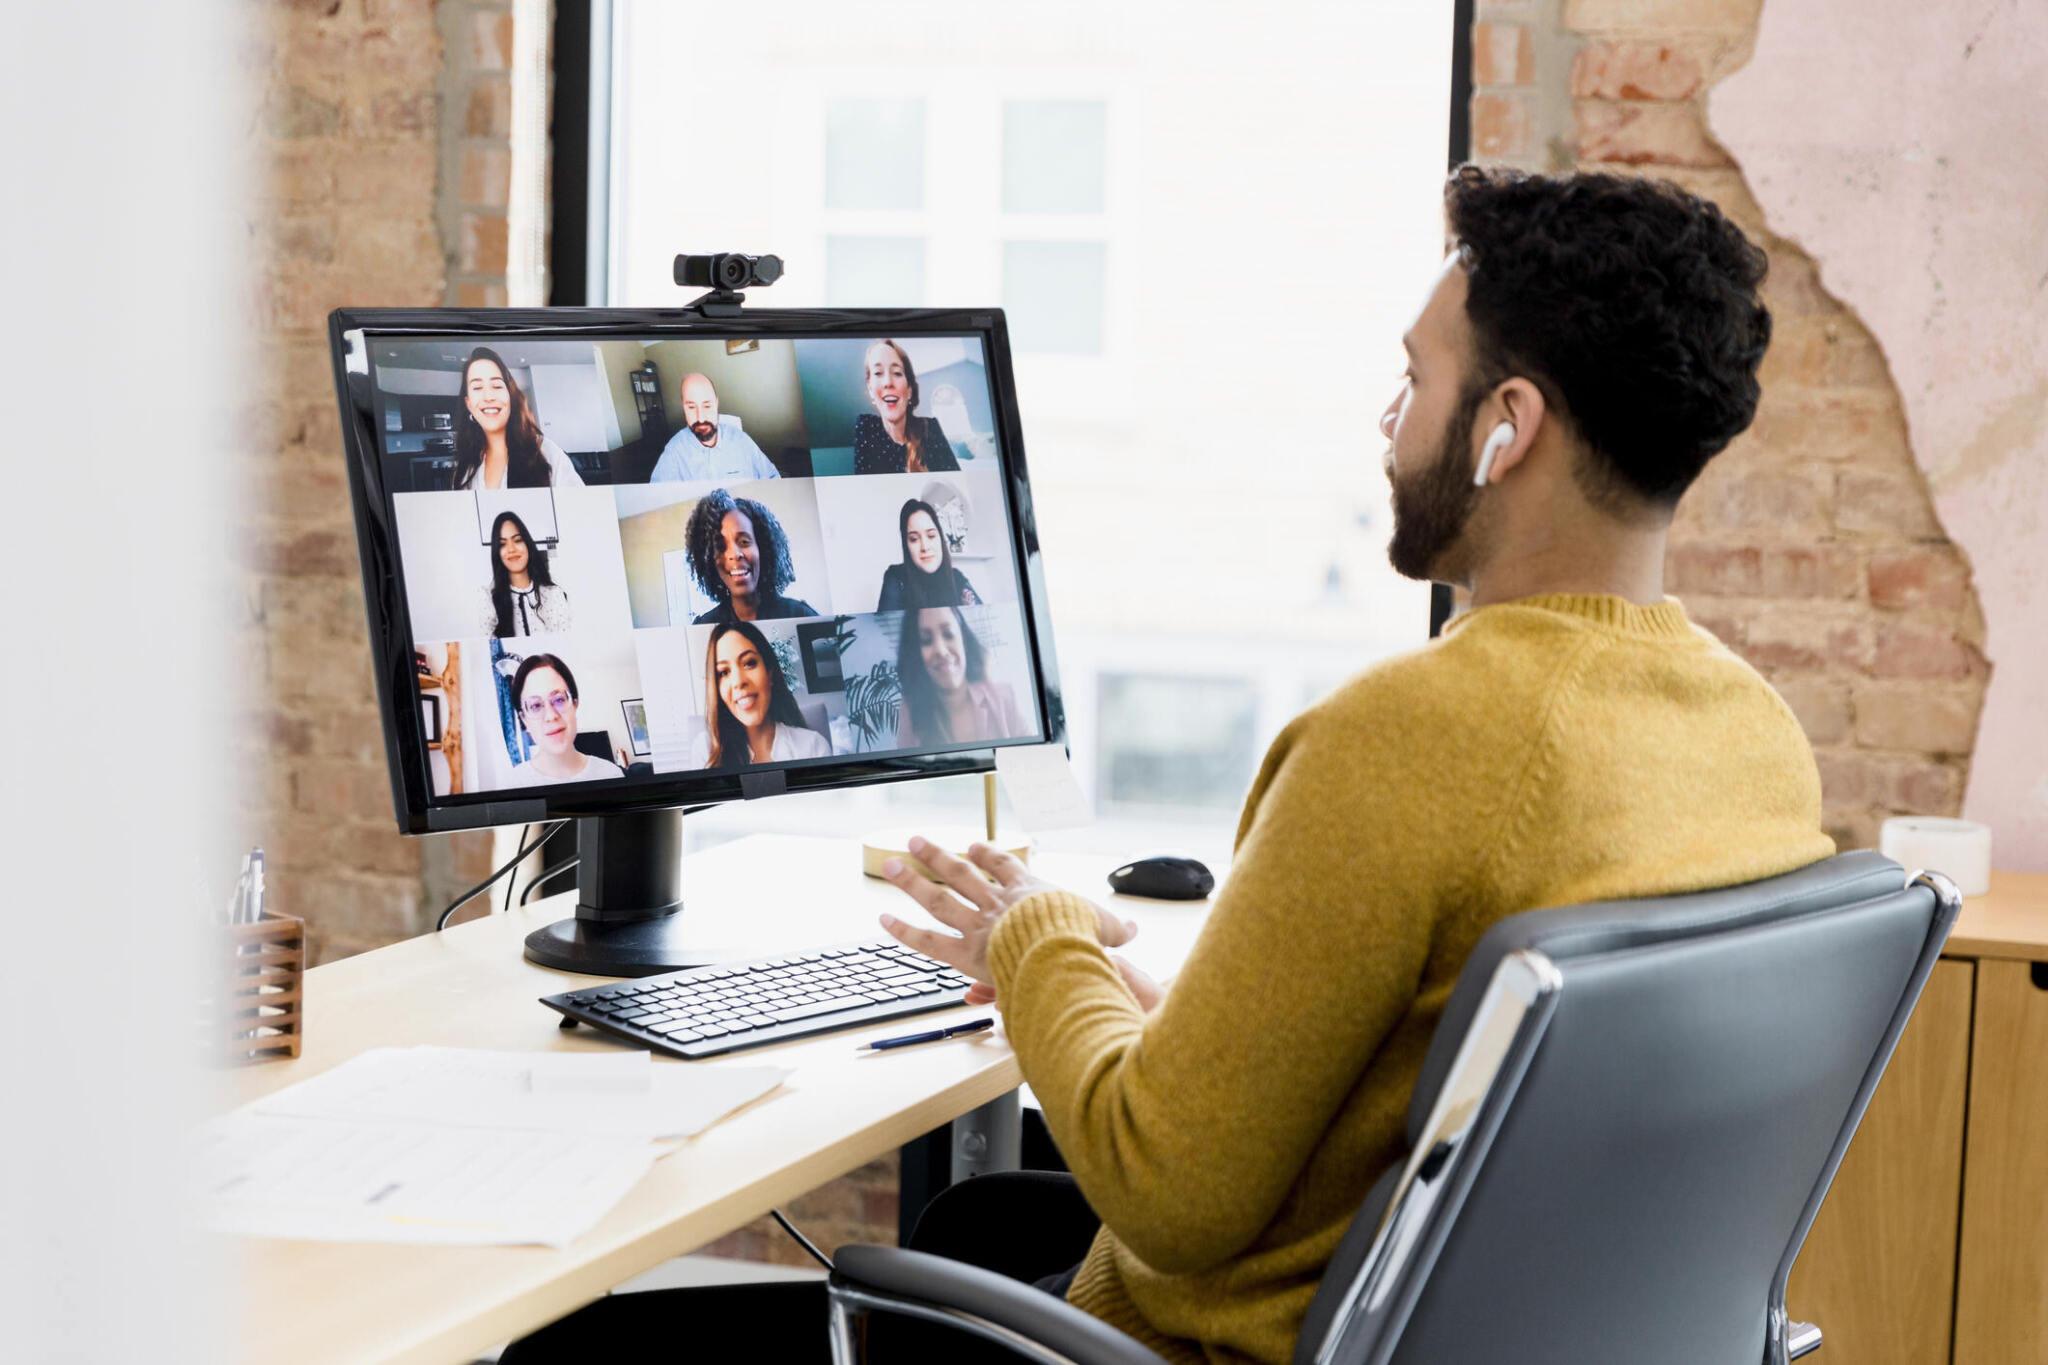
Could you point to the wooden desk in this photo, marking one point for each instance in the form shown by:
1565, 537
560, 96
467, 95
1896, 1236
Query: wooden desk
471, 987
1933, 1244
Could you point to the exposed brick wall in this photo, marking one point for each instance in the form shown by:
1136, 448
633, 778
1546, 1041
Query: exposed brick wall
476, 150
386, 128
1810, 545
353, 133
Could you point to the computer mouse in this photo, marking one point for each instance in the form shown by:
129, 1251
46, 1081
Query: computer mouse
1166, 879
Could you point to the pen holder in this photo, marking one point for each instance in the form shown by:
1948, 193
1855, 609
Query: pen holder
260, 1004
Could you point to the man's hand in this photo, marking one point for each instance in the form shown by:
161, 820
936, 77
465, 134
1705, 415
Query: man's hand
969, 897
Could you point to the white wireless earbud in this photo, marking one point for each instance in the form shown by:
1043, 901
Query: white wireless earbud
1496, 441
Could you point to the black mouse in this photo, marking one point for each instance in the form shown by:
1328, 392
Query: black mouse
1166, 879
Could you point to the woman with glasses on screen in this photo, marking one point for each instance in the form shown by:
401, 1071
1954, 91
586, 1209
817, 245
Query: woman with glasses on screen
893, 439
739, 556
751, 715
523, 598
498, 442
544, 691
926, 577
947, 695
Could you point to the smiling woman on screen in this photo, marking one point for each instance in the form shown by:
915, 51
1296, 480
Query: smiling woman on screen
754, 717
523, 598
926, 577
894, 439
498, 442
948, 697
739, 556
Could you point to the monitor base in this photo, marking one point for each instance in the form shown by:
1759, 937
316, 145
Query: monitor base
635, 948
629, 901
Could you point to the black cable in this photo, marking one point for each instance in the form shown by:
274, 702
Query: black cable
486, 883
806, 1243
551, 873
513, 880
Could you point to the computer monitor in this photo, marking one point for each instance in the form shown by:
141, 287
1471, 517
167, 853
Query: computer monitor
619, 563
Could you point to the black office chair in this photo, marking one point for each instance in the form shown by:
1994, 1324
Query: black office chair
1620, 1136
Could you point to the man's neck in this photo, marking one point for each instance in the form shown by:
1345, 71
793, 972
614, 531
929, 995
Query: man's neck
1628, 565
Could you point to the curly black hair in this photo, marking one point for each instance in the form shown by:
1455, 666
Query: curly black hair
700, 538
1630, 303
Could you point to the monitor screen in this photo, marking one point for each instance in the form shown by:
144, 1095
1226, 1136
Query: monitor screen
629, 566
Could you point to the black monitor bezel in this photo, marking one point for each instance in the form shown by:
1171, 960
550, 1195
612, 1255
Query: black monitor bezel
417, 809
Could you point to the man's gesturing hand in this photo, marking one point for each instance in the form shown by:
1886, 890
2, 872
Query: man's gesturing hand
971, 894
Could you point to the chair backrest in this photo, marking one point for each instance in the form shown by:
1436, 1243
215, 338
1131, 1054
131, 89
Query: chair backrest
1627, 1120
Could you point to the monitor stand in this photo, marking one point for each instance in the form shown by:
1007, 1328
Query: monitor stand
629, 899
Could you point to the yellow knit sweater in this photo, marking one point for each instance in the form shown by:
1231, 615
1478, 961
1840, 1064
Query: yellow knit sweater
1547, 751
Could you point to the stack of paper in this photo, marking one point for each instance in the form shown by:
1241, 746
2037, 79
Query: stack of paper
449, 1145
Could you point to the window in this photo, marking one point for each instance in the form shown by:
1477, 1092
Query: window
1208, 230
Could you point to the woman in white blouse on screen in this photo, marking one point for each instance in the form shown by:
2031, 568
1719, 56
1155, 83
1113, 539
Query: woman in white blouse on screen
523, 598
751, 716
498, 443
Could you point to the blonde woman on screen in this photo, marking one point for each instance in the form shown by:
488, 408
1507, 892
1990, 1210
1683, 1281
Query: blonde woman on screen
894, 439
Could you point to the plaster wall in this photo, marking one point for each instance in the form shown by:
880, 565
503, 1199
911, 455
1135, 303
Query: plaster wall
1907, 163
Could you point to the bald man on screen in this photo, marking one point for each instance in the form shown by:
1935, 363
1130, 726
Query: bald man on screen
711, 444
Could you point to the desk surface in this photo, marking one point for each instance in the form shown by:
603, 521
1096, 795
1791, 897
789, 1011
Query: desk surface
2010, 921
471, 987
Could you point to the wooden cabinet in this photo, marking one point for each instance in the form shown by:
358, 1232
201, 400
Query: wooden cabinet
2002, 1273
1878, 1271
1933, 1244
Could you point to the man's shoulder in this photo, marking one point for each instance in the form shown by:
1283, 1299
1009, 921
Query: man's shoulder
1434, 677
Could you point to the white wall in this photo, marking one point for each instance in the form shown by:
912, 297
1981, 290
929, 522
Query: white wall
859, 518
120, 835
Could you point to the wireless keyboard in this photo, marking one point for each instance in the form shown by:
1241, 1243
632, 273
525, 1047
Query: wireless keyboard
703, 1011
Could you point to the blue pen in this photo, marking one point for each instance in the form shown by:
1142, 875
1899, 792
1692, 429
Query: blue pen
884, 1044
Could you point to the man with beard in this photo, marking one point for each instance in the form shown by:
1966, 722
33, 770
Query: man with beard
1589, 345
711, 444
1572, 738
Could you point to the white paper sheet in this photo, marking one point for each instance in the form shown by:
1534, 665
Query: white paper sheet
1042, 787
526, 1091
332, 1181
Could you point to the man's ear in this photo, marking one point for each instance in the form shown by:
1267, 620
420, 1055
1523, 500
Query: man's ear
1519, 403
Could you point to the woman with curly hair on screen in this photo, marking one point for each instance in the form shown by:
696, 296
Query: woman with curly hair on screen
739, 556
751, 715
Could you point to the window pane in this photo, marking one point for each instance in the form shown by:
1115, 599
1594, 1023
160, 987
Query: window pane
874, 272
1053, 294
874, 154
1175, 741
1053, 156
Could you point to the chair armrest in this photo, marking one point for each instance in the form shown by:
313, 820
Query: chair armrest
1802, 1338
891, 1279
